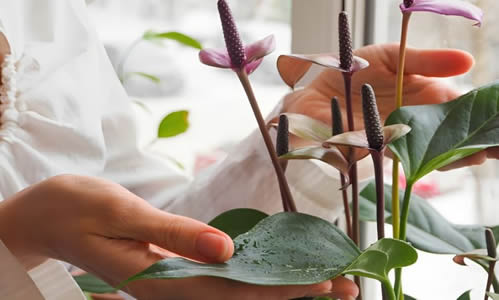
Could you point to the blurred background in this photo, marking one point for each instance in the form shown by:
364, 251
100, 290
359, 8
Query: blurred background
162, 76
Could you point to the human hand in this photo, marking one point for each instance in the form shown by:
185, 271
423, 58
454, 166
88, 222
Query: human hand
104, 229
420, 86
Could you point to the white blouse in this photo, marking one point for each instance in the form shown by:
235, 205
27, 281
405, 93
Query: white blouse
64, 111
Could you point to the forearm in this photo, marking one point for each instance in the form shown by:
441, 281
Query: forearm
13, 234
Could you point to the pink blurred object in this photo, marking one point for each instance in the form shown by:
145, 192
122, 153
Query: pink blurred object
204, 160
424, 188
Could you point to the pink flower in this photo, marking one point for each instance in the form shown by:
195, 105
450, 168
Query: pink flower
236, 56
445, 7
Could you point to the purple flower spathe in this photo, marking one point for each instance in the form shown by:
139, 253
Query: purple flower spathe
254, 55
446, 7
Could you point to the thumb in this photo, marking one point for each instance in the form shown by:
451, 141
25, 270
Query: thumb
181, 235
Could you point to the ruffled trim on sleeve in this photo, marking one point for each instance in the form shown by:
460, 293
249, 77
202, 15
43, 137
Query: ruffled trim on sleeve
9, 110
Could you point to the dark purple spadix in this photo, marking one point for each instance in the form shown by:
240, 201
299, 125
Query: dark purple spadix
345, 39
491, 243
231, 35
282, 140
408, 3
372, 120
336, 116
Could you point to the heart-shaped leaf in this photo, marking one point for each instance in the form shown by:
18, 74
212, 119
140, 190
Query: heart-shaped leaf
91, 284
290, 249
174, 124
237, 221
444, 133
427, 229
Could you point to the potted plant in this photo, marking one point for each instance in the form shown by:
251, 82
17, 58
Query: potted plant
291, 248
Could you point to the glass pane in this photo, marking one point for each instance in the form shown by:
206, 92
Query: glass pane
219, 110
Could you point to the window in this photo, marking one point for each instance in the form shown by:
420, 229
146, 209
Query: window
214, 97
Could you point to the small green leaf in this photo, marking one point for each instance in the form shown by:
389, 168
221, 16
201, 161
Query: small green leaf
493, 296
445, 133
465, 296
407, 297
150, 77
174, 124
382, 257
172, 35
91, 284
237, 221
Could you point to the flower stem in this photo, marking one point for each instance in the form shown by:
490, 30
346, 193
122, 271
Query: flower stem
398, 98
283, 184
377, 157
347, 78
348, 218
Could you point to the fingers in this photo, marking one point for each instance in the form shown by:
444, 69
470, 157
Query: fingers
344, 288
181, 235
434, 63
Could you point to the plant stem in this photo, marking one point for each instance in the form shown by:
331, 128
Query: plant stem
377, 157
348, 218
398, 99
403, 234
390, 293
347, 78
490, 278
120, 68
283, 184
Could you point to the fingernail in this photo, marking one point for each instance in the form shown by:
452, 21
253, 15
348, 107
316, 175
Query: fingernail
212, 246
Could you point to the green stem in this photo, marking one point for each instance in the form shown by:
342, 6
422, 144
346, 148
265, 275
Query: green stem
389, 291
283, 184
403, 235
120, 69
398, 100
346, 206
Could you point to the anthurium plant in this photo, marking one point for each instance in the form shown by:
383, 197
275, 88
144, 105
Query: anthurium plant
291, 248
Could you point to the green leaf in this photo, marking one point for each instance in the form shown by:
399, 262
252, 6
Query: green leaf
283, 249
290, 249
493, 296
238, 221
407, 297
427, 229
444, 133
91, 284
172, 35
382, 257
465, 296
150, 77
174, 124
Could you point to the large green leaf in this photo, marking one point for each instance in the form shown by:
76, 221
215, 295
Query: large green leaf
172, 35
289, 249
444, 133
237, 221
427, 229
91, 284
174, 124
